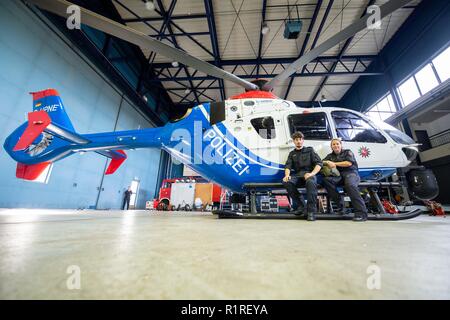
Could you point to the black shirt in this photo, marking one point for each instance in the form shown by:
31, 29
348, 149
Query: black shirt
304, 159
127, 194
345, 155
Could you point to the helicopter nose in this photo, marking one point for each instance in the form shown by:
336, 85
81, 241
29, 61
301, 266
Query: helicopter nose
410, 153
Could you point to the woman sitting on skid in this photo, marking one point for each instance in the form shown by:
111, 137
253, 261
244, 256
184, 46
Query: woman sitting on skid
307, 163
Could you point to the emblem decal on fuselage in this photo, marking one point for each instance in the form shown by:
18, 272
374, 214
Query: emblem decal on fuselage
364, 152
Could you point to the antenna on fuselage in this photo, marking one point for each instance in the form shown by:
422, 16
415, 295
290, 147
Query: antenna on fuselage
322, 100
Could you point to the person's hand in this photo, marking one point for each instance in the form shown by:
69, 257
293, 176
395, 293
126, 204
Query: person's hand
331, 164
286, 178
308, 175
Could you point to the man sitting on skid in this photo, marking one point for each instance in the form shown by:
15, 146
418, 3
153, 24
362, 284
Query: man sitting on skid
306, 164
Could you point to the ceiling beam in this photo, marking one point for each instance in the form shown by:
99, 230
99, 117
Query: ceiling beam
267, 61
150, 19
305, 43
263, 18
174, 40
341, 53
296, 75
214, 42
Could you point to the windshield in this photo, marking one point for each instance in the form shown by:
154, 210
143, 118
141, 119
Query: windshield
393, 132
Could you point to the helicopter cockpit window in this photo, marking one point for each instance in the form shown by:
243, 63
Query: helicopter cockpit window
394, 133
265, 127
313, 125
351, 127
400, 137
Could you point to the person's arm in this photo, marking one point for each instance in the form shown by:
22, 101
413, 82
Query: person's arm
316, 169
287, 175
287, 168
348, 162
343, 164
326, 160
317, 165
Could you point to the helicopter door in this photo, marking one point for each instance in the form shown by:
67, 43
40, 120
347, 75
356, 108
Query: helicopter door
264, 136
370, 146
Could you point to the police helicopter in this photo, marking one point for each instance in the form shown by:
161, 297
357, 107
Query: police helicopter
241, 143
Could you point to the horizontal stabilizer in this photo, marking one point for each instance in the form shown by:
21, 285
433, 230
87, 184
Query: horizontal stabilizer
31, 171
37, 122
117, 158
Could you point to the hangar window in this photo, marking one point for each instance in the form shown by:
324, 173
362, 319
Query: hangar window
313, 125
426, 79
383, 109
433, 73
441, 63
409, 91
265, 127
351, 127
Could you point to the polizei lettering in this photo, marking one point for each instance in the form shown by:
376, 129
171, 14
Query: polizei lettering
229, 155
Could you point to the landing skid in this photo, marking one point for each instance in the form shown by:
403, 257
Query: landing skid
229, 214
378, 213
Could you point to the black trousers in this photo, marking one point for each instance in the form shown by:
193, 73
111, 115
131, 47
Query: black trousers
126, 202
350, 182
298, 201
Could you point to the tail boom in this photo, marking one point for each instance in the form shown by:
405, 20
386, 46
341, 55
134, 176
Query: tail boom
48, 136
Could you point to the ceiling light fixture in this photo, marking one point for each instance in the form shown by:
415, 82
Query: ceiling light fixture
149, 5
265, 28
175, 64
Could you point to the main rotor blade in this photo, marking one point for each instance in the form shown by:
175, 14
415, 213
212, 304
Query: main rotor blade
138, 38
346, 33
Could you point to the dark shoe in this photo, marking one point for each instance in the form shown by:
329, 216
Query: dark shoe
341, 211
311, 217
360, 218
298, 211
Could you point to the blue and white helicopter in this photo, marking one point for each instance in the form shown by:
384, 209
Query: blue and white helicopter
241, 143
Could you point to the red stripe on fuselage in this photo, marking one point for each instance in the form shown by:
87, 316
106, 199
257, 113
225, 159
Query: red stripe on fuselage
44, 93
254, 94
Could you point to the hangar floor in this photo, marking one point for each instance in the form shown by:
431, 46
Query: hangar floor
147, 255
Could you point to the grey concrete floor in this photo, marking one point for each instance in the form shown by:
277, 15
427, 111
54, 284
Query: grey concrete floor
148, 255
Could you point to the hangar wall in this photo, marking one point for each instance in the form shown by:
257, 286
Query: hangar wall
33, 58
422, 36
